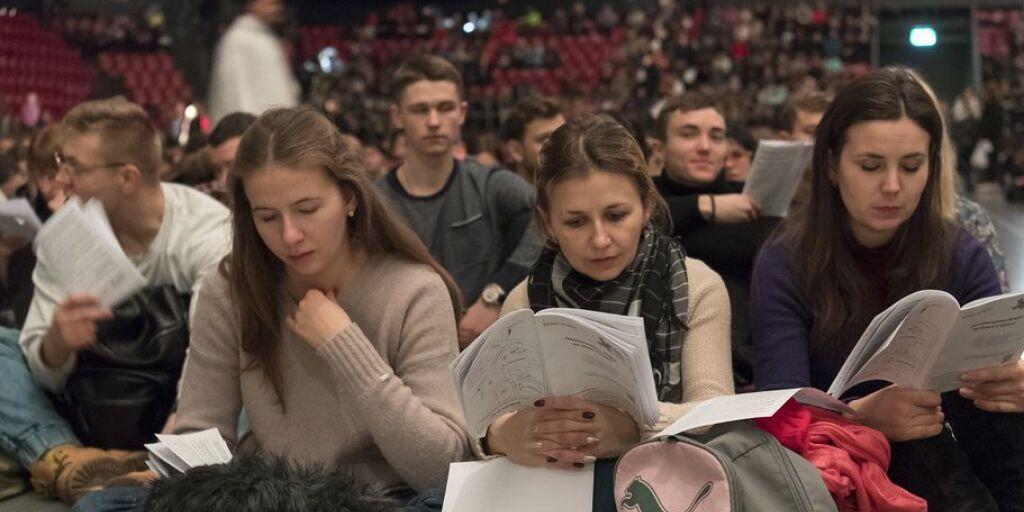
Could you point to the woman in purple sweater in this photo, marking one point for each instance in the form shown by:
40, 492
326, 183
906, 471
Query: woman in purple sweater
872, 233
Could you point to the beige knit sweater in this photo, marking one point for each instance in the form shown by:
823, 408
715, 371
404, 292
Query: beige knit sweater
707, 353
378, 398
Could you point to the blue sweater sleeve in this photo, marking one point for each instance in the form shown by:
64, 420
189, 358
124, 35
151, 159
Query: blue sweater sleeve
781, 319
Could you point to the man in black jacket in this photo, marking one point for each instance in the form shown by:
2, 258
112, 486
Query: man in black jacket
716, 225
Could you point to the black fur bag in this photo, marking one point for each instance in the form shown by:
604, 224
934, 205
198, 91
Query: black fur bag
123, 388
258, 483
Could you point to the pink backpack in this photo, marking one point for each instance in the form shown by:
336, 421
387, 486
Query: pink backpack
734, 467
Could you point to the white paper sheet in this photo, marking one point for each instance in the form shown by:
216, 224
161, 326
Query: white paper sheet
775, 174
85, 255
165, 456
760, 404
197, 448
502, 486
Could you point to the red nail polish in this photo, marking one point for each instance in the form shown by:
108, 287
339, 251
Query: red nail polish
578, 464
552, 460
588, 415
539, 403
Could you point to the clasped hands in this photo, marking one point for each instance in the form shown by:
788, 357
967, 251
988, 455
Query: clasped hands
562, 432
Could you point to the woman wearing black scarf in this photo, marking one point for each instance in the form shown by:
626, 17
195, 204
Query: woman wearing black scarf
608, 252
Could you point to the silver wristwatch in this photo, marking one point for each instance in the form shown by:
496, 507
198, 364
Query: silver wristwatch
493, 295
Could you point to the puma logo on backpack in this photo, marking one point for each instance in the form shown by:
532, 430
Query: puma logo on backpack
642, 498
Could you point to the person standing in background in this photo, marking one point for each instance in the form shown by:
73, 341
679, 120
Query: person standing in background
251, 72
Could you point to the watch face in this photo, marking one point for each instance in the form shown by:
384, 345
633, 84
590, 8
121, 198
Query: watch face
491, 294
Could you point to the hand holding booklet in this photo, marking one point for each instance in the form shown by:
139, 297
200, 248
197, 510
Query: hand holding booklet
923, 341
557, 352
926, 341
82, 251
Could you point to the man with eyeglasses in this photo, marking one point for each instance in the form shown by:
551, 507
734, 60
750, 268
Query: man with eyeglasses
173, 234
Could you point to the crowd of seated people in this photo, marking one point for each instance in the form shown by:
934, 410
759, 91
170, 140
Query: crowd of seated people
286, 327
331, 276
751, 57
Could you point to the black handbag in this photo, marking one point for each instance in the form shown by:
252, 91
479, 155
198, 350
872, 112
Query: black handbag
123, 388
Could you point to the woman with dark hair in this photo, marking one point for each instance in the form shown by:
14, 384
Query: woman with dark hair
608, 251
873, 232
329, 322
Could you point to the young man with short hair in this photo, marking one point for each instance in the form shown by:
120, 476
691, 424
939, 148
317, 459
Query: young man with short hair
530, 122
799, 118
690, 135
475, 220
173, 235
224, 139
798, 121
715, 224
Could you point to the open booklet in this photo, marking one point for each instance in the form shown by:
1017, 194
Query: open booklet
557, 352
926, 340
176, 454
775, 174
18, 219
84, 255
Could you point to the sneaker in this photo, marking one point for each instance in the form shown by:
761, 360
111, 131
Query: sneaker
68, 472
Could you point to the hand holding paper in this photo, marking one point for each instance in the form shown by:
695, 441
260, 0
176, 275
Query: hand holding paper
74, 322
82, 250
901, 414
996, 388
733, 208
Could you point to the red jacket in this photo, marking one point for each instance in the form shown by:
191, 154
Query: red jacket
853, 459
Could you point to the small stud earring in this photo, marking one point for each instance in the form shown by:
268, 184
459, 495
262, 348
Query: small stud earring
351, 213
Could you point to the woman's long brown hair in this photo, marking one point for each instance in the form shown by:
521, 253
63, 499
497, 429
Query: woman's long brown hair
293, 138
819, 235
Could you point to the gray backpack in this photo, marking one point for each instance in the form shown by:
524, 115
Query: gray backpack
733, 467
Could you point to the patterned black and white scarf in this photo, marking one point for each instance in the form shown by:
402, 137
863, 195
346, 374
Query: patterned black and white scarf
654, 287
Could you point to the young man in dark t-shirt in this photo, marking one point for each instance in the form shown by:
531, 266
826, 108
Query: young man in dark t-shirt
474, 219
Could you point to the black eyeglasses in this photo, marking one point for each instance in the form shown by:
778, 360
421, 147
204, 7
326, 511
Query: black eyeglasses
73, 166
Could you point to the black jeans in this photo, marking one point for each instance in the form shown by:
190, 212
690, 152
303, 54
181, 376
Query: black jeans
978, 466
